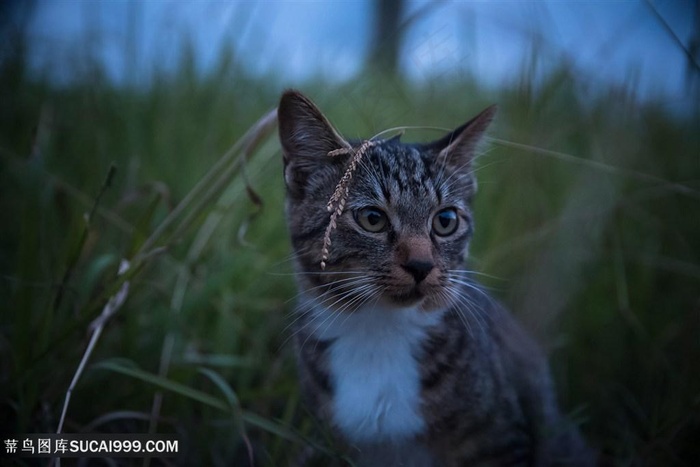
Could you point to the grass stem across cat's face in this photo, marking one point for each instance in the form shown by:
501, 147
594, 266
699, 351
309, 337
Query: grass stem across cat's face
406, 223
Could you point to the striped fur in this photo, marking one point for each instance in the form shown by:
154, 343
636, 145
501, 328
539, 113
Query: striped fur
399, 351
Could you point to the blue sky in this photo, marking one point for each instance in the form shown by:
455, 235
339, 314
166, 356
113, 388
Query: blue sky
619, 41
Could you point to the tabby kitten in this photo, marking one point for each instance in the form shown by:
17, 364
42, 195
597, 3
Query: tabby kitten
407, 360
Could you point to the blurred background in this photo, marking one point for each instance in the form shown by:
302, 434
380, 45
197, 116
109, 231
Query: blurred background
128, 131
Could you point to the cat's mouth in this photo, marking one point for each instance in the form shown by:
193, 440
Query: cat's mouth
406, 298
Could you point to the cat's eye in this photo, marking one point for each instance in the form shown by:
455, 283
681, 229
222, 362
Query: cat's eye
445, 222
371, 219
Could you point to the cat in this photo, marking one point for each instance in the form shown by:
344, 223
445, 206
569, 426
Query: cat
405, 358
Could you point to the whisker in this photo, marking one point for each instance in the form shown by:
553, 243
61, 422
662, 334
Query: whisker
315, 331
377, 292
333, 286
475, 273
454, 299
300, 312
328, 273
475, 311
360, 298
296, 320
401, 129
353, 290
471, 286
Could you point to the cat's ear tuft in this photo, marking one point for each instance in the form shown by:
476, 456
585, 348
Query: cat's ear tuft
458, 149
306, 136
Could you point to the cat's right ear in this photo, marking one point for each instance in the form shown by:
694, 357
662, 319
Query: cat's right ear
457, 150
306, 136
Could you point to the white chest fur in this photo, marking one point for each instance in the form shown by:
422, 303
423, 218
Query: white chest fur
375, 373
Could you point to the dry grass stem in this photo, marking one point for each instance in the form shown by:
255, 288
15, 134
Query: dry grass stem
115, 302
336, 204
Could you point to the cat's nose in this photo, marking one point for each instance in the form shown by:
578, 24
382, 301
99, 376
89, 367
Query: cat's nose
418, 269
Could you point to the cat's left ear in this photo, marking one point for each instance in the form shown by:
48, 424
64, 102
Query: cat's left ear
307, 137
457, 150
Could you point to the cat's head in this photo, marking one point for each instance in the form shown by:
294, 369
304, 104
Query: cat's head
405, 228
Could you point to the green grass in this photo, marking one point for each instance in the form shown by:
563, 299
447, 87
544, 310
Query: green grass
587, 218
